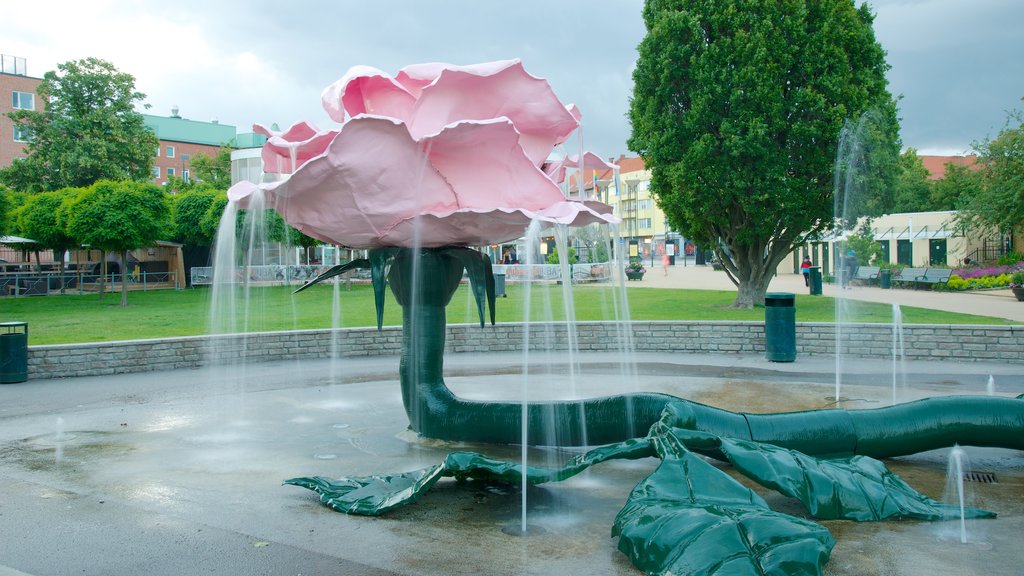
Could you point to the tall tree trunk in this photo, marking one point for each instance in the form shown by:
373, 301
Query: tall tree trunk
124, 278
103, 271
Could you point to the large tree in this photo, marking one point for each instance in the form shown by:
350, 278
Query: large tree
87, 130
999, 200
118, 217
737, 109
913, 190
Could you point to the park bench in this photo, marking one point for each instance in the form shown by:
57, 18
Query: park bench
924, 276
866, 273
935, 276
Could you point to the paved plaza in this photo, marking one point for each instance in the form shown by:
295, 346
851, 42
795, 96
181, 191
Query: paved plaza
180, 472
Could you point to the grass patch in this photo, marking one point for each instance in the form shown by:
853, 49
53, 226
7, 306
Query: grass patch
168, 313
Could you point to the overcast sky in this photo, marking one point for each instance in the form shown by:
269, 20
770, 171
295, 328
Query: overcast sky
959, 64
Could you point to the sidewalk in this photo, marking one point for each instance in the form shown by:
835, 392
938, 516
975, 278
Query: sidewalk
995, 303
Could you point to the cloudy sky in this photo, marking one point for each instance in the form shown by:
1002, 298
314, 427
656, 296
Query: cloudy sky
959, 64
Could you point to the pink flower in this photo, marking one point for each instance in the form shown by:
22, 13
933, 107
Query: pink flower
438, 155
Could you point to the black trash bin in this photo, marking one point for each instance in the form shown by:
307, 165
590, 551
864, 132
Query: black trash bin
13, 352
499, 284
885, 278
815, 278
779, 327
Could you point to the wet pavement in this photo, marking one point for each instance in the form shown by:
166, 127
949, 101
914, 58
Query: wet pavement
180, 472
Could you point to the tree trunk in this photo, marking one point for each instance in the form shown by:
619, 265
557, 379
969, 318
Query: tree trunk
124, 278
103, 271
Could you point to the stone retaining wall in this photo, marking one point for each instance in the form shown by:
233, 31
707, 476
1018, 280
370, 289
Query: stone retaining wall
961, 343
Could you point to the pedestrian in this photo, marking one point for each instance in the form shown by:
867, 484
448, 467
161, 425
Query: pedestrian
665, 261
805, 269
849, 267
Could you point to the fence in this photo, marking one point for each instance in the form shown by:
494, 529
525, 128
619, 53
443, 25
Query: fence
46, 283
300, 274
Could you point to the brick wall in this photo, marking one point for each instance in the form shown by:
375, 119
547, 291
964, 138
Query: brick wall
960, 343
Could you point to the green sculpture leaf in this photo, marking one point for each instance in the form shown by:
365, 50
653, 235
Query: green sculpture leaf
379, 260
371, 495
481, 276
689, 517
854, 488
334, 271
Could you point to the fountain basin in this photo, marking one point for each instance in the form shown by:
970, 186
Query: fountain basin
179, 471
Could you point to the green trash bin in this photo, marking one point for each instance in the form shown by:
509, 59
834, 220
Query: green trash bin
885, 278
499, 284
13, 352
815, 280
779, 327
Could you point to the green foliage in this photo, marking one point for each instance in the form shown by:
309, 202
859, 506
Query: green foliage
1017, 279
88, 131
957, 284
958, 185
1011, 259
864, 244
553, 258
192, 215
738, 114
635, 265
913, 189
998, 201
118, 216
43, 218
5, 210
213, 170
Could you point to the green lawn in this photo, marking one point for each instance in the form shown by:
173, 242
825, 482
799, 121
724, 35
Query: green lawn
163, 313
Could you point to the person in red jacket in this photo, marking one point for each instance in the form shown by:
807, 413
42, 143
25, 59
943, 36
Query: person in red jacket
805, 269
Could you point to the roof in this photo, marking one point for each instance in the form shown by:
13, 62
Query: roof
936, 165
177, 129
626, 165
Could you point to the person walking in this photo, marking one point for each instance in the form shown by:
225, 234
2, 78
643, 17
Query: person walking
665, 261
805, 269
849, 268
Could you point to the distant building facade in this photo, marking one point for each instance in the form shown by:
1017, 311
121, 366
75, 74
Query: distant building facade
19, 93
180, 140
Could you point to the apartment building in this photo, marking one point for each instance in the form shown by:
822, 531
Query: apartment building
181, 139
19, 93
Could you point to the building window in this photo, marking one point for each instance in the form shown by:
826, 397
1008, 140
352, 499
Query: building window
170, 172
184, 175
157, 152
185, 157
23, 100
643, 223
156, 172
170, 151
22, 134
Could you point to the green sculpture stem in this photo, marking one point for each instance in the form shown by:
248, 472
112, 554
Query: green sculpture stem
424, 281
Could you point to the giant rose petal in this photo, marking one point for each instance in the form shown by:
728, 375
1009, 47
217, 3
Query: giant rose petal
440, 155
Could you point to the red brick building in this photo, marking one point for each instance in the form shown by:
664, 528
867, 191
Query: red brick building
18, 92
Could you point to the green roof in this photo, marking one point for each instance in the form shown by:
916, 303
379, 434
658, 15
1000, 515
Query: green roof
250, 140
190, 131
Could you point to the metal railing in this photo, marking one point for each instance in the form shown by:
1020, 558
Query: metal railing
300, 274
271, 274
46, 283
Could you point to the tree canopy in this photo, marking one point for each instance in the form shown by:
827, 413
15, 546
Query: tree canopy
87, 131
118, 217
737, 110
999, 199
196, 213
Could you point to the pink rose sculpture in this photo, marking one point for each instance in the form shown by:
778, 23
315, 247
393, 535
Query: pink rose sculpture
438, 155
